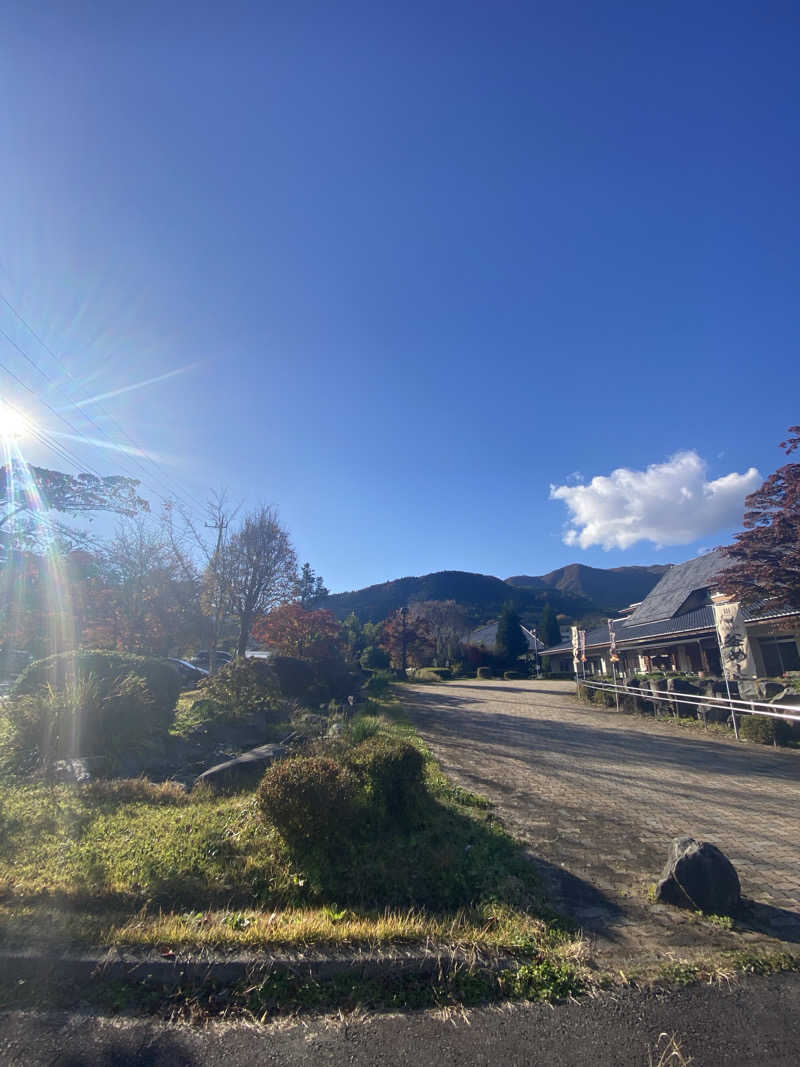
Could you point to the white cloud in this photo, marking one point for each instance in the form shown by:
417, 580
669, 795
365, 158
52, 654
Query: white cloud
670, 503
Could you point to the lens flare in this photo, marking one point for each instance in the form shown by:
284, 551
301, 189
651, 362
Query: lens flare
13, 424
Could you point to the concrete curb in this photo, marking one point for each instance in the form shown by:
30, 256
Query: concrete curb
175, 971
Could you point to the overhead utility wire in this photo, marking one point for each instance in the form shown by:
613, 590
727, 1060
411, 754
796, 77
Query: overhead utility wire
120, 429
38, 432
171, 490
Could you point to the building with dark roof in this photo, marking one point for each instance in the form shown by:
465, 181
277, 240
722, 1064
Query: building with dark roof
674, 629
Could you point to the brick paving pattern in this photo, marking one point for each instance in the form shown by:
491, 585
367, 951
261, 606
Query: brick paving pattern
600, 794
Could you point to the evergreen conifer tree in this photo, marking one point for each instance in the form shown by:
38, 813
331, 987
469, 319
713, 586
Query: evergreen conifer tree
549, 631
510, 642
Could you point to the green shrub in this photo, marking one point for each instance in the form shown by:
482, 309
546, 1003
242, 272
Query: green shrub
78, 720
761, 729
511, 676
363, 727
314, 682
379, 684
108, 668
244, 686
392, 770
86, 704
444, 673
484, 672
430, 674
374, 658
310, 800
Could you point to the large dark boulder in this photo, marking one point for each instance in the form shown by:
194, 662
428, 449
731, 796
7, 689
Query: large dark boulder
244, 772
700, 877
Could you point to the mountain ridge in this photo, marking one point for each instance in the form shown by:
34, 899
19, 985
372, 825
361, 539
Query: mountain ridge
610, 589
483, 595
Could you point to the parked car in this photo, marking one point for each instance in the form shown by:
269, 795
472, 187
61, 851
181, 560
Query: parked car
189, 673
202, 659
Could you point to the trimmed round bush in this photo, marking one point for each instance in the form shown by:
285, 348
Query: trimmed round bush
392, 770
309, 799
484, 672
511, 676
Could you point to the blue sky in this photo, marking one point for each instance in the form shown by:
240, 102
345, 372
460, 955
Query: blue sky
424, 262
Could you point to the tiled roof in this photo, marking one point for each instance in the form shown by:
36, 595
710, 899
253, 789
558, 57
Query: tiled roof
691, 621
677, 584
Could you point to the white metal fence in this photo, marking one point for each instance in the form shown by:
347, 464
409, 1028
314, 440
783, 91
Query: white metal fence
735, 706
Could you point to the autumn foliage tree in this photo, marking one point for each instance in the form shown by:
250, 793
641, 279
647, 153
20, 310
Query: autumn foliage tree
292, 630
766, 553
408, 640
28, 494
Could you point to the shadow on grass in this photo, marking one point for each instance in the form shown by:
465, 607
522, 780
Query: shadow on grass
437, 858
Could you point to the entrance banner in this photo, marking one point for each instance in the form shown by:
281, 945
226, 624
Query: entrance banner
582, 636
575, 648
612, 642
734, 645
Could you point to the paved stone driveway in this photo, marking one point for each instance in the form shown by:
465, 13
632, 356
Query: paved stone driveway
599, 795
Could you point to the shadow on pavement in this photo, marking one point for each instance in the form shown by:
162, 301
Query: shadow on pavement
769, 920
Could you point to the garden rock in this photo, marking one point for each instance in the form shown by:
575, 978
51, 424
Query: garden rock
80, 769
699, 876
245, 770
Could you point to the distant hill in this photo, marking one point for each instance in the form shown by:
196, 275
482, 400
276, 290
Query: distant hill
481, 595
608, 590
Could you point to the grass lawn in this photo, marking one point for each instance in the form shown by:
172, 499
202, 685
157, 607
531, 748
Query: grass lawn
137, 864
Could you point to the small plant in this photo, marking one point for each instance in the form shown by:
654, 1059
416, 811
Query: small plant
379, 684
364, 727
484, 672
669, 1052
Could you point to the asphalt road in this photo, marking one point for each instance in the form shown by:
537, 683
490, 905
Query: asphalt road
749, 1023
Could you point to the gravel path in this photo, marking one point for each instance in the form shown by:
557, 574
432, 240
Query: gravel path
597, 796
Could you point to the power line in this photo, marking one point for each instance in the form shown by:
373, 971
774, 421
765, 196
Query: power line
120, 429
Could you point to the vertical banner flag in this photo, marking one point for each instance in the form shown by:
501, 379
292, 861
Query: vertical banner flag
575, 647
582, 635
612, 642
734, 645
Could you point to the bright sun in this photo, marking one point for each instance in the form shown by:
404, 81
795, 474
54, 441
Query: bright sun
13, 424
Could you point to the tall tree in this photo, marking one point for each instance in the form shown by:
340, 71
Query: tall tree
407, 640
309, 586
293, 631
140, 599
261, 569
206, 542
510, 642
445, 624
549, 632
767, 551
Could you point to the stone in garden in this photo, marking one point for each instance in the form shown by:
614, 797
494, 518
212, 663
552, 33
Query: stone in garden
246, 770
699, 876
